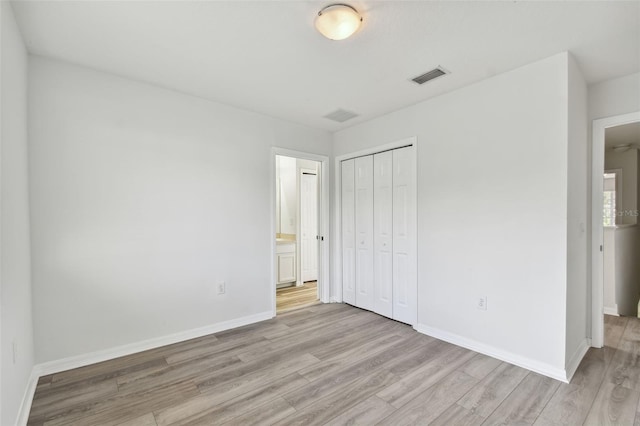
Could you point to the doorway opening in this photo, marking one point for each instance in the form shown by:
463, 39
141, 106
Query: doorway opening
615, 227
299, 240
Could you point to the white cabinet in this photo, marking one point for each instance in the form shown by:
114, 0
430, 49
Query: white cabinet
286, 262
379, 264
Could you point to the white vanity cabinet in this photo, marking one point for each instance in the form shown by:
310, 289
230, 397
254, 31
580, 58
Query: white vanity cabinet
286, 262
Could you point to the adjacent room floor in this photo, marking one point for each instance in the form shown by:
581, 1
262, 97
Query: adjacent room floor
288, 298
335, 364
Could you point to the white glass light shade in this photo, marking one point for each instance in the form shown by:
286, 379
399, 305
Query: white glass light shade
338, 21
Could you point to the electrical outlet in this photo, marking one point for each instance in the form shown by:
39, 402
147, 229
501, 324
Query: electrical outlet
222, 288
14, 346
482, 303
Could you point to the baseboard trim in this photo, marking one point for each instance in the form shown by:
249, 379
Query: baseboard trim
27, 399
576, 359
492, 351
611, 311
69, 363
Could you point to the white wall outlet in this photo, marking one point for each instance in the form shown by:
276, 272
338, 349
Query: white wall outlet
482, 303
222, 287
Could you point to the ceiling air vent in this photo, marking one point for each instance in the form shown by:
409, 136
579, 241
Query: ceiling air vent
341, 115
427, 76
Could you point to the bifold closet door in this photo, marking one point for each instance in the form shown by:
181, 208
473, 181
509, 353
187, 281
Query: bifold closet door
383, 233
364, 231
348, 203
405, 285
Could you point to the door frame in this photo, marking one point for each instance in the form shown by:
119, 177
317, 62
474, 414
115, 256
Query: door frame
324, 275
337, 202
599, 127
302, 171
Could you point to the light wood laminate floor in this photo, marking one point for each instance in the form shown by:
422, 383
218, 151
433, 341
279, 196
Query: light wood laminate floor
335, 364
294, 297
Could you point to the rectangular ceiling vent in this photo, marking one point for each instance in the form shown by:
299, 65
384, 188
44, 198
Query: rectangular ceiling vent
428, 76
341, 115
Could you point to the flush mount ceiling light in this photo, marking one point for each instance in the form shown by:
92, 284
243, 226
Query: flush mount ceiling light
338, 21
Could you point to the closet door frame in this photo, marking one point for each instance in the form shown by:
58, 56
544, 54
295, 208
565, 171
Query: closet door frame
337, 255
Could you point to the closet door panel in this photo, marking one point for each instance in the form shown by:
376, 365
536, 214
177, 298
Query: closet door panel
383, 233
405, 290
348, 232
364, 232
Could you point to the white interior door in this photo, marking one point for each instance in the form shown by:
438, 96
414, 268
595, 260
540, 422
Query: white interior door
383, 233
405, 286
348, 203
309, 225
364, 232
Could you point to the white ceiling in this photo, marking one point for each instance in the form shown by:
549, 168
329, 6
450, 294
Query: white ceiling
627, 134
266, 56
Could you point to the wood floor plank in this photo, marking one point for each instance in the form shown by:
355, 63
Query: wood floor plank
144, 420
458, 416
218, 348
624, 368
342, 377
572, 401
336, 364
288, 298
489, 393
431, 403
266, 414
342, 359
205, 409
327, 408
237, 385
305, 342
480, 366
54, 402
614, 405
613, 329
426, 376
368, 412
83, 377
124, 406
526, 402
175, 373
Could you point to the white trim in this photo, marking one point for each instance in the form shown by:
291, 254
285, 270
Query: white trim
483, 348
576, 359
611, 311
597, 169
27, 399
324, 275
132, 348
337, 181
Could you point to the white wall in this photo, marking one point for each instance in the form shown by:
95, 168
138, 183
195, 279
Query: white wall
577, 207
627, 269
142, 199
609, 270
288, 194
614, 97
492, 210
621, 269
627, 200
15, 276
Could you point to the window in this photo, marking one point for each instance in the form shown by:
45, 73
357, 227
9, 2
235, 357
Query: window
609, 212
